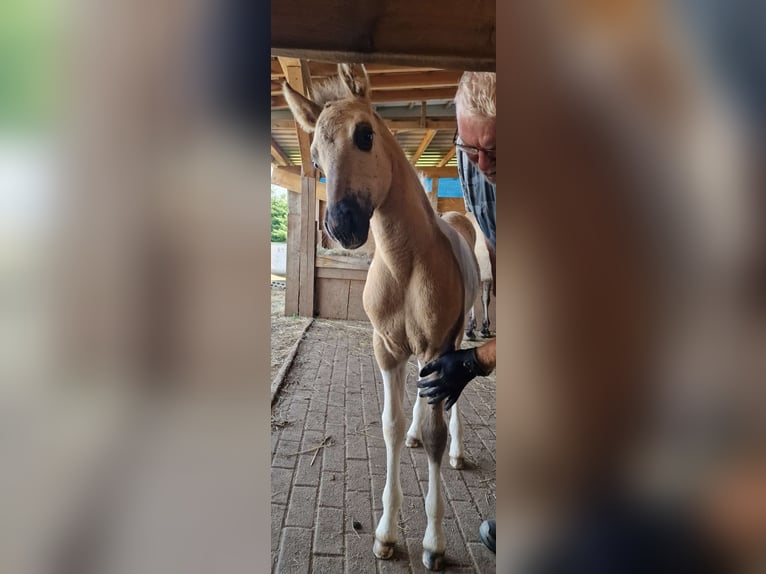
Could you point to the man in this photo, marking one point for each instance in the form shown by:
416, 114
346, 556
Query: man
477, 168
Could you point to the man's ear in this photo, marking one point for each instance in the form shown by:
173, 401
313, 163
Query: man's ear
355, 79
305, 111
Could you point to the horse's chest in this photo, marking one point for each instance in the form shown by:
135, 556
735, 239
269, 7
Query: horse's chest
400, 314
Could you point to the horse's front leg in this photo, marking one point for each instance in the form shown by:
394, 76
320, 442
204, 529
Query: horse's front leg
414, 435
434, 441
456, 455
393, 433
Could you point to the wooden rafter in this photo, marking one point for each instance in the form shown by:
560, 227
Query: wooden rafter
448, 156
394, 124
297, 74
381, 96
423, 146
325, 69
436, 172
278, 154
287, 178
401, 81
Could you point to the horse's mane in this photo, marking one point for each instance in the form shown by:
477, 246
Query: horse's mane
329, 90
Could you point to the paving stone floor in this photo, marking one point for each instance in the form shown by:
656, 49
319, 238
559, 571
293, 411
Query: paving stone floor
334, 393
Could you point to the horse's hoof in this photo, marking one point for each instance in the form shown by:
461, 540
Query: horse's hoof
433, 561
412, 442
383, 550
456, 462
470, 336
486, 334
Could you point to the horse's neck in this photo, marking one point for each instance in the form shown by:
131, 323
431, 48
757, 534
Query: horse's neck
404, 225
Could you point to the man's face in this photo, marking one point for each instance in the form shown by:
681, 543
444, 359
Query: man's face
479, 133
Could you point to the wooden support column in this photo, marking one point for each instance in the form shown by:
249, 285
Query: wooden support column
308, 246
433, 197
302, 210
292, 285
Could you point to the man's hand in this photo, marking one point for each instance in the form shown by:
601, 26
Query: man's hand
453, 371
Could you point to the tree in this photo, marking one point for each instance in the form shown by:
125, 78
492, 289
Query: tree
278, 215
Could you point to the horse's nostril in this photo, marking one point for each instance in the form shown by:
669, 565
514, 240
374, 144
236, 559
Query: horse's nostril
348, 222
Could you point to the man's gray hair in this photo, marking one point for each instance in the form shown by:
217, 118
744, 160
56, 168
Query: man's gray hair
476, 94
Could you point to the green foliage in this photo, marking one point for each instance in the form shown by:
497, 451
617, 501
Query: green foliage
28, 45
278, 216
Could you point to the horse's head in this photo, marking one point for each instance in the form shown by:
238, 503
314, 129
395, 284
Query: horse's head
349, 147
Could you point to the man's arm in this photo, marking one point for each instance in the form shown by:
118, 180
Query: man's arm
451, 372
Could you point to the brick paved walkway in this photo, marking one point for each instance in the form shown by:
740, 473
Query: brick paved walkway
334, 393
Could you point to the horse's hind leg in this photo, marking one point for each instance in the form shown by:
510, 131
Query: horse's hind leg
471, 326
485, 295
393, 433
434, 441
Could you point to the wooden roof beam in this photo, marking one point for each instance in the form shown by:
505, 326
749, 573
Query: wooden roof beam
381, 96
278, 154
435, 172
324, 69
297, 74
423, 146
394, 124
287, 178
411, 80
448, 156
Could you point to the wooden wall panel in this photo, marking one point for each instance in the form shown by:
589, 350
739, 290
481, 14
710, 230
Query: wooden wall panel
450, 204
332, 298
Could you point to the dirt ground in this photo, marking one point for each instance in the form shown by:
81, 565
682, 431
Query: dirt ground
284, 330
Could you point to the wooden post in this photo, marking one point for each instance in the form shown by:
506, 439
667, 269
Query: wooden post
293, 279
433, 197
308, 246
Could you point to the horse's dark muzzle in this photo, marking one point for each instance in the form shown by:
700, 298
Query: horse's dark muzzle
348, 222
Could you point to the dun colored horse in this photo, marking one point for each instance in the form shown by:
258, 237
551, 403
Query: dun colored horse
415, 294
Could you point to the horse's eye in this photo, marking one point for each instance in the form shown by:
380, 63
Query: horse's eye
363, 137
315, 164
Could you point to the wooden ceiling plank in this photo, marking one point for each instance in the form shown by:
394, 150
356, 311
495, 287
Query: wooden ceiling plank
429, 33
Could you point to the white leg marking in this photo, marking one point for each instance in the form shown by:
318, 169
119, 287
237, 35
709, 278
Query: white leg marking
456, 455
393, 434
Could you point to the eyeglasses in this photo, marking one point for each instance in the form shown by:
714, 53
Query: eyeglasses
471, 151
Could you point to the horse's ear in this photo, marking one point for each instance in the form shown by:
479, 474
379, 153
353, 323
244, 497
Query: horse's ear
305, 111
355, 78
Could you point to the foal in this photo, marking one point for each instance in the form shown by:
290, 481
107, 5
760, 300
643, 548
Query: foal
415, 293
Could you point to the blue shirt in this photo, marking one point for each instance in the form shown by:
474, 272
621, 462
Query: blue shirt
479, 196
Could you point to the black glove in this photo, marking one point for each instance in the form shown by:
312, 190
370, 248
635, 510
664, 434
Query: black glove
454, 370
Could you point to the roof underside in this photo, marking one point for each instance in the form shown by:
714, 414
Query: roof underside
416, 102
